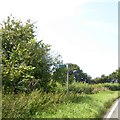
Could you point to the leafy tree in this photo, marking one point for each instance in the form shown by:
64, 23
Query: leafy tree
26, 63
113, 77
15, 37
60, 74
118, 74
75, 74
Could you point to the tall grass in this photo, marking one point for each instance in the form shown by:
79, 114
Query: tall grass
25, 105
83, 106
37, 104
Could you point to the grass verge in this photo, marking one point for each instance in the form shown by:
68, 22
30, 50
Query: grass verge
82, 106
83, 101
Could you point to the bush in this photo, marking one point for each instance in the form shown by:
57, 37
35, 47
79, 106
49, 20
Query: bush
86, 88
112, 86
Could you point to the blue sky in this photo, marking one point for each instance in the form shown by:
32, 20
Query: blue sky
84, 32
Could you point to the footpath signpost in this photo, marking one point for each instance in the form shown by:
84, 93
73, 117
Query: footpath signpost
62, 66
67, 82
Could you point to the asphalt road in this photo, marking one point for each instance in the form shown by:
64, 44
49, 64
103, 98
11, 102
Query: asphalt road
114, 111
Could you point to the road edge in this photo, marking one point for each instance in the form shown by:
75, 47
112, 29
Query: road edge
111, 109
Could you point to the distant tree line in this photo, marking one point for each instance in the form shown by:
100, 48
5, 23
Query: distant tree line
111, 78
75, 74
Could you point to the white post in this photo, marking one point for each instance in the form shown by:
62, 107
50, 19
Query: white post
67, 79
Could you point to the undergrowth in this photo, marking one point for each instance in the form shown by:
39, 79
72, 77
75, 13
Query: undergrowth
82, 98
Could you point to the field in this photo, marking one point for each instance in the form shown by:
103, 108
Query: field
83, 101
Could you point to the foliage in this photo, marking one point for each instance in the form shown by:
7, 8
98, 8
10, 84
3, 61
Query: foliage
59, 105
25, 105
79, 106
79, 75
26, 63
111, 78
113, 87
85, 88
60, 75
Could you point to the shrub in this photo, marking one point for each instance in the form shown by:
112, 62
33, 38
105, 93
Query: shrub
86, 88
112, 86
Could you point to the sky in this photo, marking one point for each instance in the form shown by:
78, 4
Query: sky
83, 32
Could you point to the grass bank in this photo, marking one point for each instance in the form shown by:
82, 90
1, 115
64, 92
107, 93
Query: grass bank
82, 106
83, 101
39, 105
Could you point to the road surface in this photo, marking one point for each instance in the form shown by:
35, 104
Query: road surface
114, 111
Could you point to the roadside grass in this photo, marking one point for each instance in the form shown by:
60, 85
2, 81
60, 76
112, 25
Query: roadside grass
83, 106
83, 101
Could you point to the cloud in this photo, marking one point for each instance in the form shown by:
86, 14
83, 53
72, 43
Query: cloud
43, 10
39, 9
